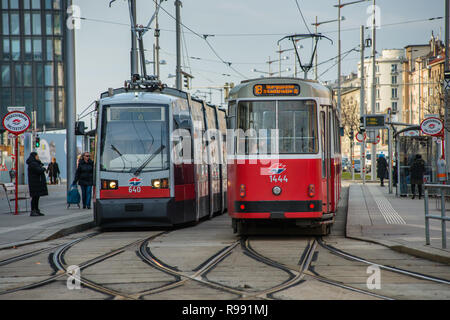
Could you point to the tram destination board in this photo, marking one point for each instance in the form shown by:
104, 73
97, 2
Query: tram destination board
375, 122
276, 89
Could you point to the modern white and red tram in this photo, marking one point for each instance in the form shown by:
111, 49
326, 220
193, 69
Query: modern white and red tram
160, 158
284, 162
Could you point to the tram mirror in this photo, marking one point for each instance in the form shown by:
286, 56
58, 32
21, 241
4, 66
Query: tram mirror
341, 131
183, 123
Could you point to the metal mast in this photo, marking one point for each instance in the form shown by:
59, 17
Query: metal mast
178, 31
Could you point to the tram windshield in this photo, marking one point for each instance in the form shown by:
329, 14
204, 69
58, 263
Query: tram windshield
134, 139
295, 120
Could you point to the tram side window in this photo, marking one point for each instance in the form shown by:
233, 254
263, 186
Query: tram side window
256, 119
231, 118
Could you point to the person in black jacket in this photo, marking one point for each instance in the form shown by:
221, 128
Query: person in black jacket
53, 171
85, 178
37, 183
382, 168
417, 171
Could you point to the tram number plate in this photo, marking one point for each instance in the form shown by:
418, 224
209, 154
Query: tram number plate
279, 179
134, 189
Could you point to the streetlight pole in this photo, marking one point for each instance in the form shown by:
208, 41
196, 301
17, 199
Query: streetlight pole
362, 108
178, 39
339, 60
447, 69
374, 147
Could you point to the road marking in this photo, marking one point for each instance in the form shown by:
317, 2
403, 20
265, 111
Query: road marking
387, 211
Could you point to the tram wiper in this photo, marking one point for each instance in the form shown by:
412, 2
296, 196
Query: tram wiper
116, 150
146, 162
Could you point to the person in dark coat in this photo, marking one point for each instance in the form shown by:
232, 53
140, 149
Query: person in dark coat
85, 178
53, 171
382, 168
417, 170
37, 183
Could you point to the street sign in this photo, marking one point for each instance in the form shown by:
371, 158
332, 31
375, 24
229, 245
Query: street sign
375, 121
16, 108
16, 122
432, 126
412, 133
360, 137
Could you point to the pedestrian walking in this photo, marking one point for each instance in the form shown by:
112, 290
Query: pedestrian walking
37, 183
53, 171
85, 178
417, 170
382, 168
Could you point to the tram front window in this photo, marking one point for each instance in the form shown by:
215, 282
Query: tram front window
134, 139
295, 121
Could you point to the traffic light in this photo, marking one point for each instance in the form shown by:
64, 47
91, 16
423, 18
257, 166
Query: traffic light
37, 142
186, 82
351, 135
79, 128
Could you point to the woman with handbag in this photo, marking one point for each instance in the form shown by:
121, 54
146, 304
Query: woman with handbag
85, 178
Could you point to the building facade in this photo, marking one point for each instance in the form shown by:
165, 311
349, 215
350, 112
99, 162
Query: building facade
32, 59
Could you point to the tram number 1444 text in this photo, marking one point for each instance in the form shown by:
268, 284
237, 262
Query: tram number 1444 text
278, 178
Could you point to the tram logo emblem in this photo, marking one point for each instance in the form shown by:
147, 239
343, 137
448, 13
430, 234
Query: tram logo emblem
134, 182
276, 168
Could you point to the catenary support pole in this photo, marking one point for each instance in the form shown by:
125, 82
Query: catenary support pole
70, 100
373, 99
362, 107
446, 93
178, 39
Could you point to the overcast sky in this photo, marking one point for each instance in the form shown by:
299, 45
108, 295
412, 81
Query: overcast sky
245, 33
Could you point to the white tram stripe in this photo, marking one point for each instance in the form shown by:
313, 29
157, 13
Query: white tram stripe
384, 206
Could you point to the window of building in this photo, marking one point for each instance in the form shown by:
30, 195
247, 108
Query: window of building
39, 74
394, 93
6, 76
37, 24
378, 93
394, 106
5, 24
15, 24
28, 98
49, 49
48, 24
36, 4
14, 4
6, 49
377, 68
394, 68
60, 75
57, 24
28, 50
5, 4
15, 49
56, 4
18, 97
26, 4
394, 79
61, 98
18, 75
377, 80
6, 98
58, 50
48, 4
27, 23
49, 106
48, 74
27, 75
37, 49
377, 106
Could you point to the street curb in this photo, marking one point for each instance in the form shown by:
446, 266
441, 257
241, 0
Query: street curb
405, 249
59, 234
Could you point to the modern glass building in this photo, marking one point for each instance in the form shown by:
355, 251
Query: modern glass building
32, 59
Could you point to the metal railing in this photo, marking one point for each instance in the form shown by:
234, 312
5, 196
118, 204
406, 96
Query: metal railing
442, 217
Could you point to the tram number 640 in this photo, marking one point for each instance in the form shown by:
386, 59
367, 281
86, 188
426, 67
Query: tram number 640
134, 189
279, 179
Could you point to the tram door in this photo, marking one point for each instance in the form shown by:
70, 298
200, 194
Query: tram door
325, 116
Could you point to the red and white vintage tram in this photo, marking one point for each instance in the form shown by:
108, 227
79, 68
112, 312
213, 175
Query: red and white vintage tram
160, 157
284, 161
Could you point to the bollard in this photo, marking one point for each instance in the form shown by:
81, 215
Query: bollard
427, 225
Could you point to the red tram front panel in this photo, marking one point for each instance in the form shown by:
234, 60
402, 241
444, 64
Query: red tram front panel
252, 189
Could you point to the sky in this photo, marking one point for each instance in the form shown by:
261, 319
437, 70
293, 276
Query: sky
242, 32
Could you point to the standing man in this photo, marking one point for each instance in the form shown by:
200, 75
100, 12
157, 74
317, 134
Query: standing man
85, 178
382, 168
417, 171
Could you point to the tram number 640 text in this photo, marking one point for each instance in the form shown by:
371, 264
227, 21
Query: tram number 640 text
278, 179
134, 189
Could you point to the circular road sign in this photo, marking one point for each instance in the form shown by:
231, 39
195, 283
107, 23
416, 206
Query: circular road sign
432, 126
360, 136
16, 122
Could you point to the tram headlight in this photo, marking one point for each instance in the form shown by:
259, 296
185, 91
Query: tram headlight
160, 183
109, 184
276, 190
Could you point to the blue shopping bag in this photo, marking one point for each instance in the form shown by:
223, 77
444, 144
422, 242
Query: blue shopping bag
73, 196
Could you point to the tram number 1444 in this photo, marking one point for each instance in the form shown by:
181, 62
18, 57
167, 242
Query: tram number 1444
278, 178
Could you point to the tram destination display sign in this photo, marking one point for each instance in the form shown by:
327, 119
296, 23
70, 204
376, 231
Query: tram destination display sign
375, 121
268, 89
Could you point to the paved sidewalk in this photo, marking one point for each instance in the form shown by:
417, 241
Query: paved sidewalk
58, 221
399, 223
